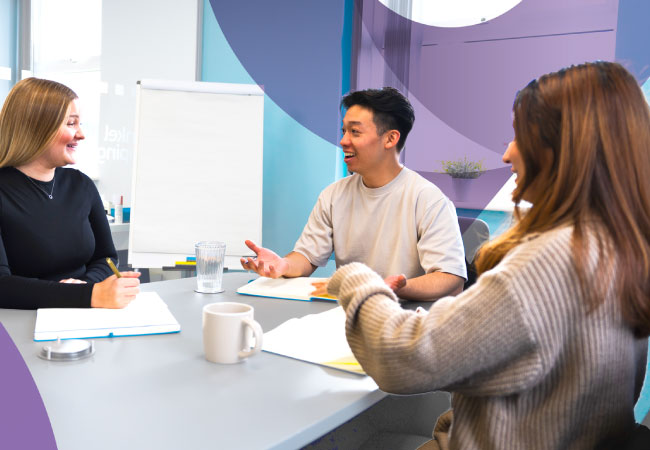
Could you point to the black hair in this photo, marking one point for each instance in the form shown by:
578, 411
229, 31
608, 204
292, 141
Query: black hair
390, 109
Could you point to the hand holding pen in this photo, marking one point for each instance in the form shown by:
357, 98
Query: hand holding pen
110, 263
116, 291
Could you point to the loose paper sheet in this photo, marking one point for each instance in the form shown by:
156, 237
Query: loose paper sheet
317, 338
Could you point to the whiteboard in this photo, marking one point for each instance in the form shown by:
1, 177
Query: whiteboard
197, 170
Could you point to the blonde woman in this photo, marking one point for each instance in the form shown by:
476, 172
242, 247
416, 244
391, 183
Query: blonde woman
548, 349
54, 237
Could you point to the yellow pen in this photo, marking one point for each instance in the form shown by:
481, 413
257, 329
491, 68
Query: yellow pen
117, 273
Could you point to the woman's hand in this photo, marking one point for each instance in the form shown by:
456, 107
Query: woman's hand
115, 292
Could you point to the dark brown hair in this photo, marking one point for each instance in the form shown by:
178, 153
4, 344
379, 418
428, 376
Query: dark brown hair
595, 121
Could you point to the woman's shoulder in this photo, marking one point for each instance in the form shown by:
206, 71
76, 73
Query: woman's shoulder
550, 249
7, 172
75, 182
559, 235
72, 174
10, 177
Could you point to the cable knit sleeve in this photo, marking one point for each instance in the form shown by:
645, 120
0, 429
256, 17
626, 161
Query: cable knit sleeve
458, 345
357, 278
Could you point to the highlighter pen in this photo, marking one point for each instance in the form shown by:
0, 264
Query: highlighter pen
117, 273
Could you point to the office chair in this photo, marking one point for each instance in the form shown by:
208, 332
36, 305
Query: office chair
475, 232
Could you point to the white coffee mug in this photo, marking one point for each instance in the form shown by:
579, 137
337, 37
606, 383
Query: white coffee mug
229, 331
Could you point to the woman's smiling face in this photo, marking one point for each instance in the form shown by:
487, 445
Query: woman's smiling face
513, 157
61, 151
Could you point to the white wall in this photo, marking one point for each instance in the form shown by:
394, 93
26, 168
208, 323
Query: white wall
140, 39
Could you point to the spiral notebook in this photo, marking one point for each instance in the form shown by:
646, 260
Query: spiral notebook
147, 314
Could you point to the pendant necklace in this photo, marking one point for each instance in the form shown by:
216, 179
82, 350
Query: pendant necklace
50, 196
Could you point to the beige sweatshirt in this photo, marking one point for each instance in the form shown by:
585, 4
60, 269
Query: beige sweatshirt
529, 368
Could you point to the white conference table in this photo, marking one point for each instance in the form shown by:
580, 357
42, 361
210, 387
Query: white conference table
159, 392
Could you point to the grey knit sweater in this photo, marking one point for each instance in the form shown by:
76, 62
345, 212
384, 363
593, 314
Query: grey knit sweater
528, 366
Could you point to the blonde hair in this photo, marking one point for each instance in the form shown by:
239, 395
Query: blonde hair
30, 119
596, 122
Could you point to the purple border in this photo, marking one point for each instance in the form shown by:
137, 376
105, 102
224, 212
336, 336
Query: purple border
24, 423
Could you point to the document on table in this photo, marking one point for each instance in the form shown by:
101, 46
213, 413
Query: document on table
299, 288
316, 338
147, 314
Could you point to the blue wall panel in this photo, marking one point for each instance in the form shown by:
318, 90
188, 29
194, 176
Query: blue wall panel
298, 164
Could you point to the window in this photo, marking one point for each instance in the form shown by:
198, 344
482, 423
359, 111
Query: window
443, 13
66, 47
101, 49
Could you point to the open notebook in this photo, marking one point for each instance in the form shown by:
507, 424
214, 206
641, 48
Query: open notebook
299, 288
147, 314
316, 338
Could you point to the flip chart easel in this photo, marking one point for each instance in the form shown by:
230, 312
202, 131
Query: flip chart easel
197, 170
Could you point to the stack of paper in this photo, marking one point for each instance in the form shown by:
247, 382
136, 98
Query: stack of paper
147, 314
300, 288
316, 338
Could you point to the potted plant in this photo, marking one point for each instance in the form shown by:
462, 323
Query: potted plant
462, 171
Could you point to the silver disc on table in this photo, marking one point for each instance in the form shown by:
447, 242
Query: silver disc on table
67, 350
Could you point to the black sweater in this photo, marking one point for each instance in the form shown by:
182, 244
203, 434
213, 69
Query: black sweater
43, 241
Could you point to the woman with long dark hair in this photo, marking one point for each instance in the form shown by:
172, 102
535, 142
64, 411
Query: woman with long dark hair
548, 349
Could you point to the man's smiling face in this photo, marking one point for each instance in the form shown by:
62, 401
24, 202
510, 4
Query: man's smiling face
363, 146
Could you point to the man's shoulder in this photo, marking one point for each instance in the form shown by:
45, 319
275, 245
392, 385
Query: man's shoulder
351, 182
422, 187
410, 182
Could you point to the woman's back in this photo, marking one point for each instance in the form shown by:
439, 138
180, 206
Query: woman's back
575, 383
548, 349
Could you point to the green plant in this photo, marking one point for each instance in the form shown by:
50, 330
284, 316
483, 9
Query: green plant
463, 168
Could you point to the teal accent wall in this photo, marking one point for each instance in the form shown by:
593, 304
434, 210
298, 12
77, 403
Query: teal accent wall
8, 46
297, 163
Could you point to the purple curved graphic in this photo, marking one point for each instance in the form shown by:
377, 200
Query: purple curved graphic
462, 81
24, 423
293, 48
468, 76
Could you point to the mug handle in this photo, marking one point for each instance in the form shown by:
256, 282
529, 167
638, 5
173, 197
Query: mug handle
257, 333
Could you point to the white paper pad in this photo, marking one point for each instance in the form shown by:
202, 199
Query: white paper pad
147, 314
316, 338
299, 288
